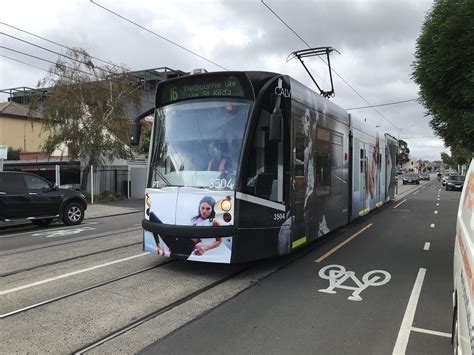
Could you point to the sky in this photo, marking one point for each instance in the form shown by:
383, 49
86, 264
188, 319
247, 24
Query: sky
375, 40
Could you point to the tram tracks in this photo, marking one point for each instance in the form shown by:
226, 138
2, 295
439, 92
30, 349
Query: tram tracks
150, 316
82, 290
19, 271
161, 310
78, 240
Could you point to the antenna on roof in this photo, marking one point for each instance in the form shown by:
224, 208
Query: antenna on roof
311, 52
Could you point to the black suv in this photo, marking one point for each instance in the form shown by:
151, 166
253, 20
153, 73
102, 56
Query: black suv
29, 196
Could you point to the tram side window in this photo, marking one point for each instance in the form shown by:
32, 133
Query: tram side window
323, 161
262, 170
337, 159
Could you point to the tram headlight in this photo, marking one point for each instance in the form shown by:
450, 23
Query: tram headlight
226, 205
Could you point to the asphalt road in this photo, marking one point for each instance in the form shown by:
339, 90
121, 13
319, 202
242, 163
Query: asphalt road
29, 236
95, 289
288, 313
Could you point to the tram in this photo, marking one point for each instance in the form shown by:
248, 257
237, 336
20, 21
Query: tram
251, 165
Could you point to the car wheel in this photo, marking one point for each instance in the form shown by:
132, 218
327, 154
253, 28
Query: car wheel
41, 222
447, 188
72, 214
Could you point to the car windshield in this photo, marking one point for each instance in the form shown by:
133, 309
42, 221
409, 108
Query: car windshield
198, 143
456, 178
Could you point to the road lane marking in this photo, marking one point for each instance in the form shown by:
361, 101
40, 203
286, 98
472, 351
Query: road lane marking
432, 332
432, 225
136, 225
337, 275
439, 190
52, 229
416, 192
427, 246
333, 250
407, 322
69, 274
400, 203
437, 204
437, 199
435, 212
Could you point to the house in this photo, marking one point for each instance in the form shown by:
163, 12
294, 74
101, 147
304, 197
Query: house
19, 130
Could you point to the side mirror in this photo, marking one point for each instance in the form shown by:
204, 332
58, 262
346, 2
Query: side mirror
274, 134
136, 132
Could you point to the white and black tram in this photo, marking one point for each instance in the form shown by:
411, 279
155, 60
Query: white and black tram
249, 165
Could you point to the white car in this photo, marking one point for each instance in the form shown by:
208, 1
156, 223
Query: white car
463, 293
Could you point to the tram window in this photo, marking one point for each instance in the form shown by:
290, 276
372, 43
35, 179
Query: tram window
337, 159
323, 161
362, 160
264, 177
355, 166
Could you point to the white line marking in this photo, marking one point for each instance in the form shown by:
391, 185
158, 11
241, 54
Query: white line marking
136, 225
427, 246
437, 204
69, 274
432, 332
437, 199
432, 225
400, 203
436, 212
439, 190
404, 333
43, 230
416, 192
260, 201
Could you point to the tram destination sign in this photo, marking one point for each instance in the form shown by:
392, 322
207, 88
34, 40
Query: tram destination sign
200, 86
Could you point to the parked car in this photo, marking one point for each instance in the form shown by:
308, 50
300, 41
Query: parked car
411, 179
454, 182
446, 176
463, 301
424, 176
29, 196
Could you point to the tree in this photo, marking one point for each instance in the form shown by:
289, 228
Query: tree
443, 69
403, 152
13, 154
86, 110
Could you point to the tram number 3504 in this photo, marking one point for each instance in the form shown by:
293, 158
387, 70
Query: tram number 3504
278, 216
221, 184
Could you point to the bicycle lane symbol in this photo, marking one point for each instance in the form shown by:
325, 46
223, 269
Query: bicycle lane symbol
337, 275
62, 232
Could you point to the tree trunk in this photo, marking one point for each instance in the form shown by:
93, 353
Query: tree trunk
85, 176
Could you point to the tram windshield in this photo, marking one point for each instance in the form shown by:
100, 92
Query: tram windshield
197, 143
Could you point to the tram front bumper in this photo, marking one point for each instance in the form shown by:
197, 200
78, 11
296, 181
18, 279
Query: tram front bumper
176, 231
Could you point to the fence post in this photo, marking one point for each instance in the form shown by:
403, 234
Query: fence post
58, 175
92, 184
128, 182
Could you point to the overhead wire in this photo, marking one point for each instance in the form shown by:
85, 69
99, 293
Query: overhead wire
62, 45
99, 78
384, 104
158, 35
332, 69
60, 75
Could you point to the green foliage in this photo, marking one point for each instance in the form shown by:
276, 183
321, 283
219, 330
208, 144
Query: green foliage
459, 156
86, 109
403, 152
13, 154
106, 196
444, 71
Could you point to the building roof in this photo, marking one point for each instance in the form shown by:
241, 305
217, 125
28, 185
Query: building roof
13, 109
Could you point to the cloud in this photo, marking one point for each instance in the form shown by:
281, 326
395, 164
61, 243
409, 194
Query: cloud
376, 39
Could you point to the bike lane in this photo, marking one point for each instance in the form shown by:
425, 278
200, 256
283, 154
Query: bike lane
314, 304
